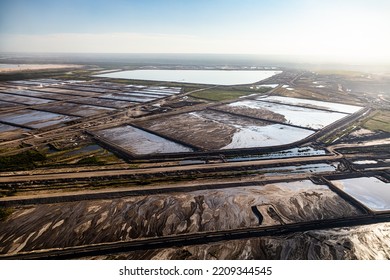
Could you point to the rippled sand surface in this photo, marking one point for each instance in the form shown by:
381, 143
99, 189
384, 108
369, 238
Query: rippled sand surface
370, 242
90, 222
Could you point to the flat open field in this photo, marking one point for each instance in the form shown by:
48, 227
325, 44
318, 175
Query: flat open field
380, 121
5, 68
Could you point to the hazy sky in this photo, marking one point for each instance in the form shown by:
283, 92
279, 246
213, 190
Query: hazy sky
335, 29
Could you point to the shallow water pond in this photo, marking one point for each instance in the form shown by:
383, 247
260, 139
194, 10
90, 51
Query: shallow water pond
338, 107
299, 116
35, 119
370, 191
214, 77
141, 142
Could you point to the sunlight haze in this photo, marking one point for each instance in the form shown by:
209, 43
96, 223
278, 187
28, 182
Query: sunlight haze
348, 31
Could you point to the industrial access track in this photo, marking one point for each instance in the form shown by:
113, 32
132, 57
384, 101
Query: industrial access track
196, 167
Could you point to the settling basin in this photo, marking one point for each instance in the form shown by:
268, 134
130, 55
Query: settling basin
213, 77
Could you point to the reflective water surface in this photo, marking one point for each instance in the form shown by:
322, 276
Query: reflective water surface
370, 191
214, 77
141, 142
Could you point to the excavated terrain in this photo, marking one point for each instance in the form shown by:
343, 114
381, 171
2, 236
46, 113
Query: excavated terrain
90, 222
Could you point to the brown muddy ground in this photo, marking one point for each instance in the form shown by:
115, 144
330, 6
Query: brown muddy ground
4, 105
370, 242
90, 222
261, 113
39, 94
206, 129
70, 90
75, 109
117, 104
11, 132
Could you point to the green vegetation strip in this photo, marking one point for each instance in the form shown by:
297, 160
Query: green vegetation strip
23, 161
380, 121
4, 213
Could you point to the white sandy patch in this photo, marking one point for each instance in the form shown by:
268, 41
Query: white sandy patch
58, 224
83, 227
361, 132
365, 162
43, 229
17, 248
103, 217
264, 86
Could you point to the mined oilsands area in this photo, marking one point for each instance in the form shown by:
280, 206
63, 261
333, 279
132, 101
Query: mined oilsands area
333, 244
270, 163
169, 214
